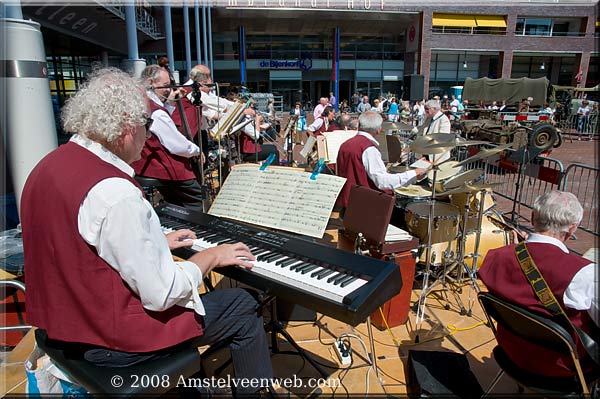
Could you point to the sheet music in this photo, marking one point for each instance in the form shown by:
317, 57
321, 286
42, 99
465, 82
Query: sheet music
228, 119
334, 140
394, 233
278, 197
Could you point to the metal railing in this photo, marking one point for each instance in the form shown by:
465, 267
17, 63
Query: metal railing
581, 127
143, 19
537, 177
582, 181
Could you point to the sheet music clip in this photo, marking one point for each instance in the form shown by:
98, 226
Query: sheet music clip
318, 168
267, 162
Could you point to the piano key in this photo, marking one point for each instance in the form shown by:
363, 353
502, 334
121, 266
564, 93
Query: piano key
346, 282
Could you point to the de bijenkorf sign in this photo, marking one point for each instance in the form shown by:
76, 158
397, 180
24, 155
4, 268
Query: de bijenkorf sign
304, 63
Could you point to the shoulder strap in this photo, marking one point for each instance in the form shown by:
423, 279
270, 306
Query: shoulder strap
545, 295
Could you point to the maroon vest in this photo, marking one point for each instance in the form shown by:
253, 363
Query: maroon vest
72, 293
159, 163
350, 166
191, 115
323, 128
502, 275
247, 144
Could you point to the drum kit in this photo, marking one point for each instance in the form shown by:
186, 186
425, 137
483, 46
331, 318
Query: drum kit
451, 216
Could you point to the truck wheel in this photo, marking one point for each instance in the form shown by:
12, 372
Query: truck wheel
543, 137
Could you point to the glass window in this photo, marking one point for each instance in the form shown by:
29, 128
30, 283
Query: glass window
520, 27
538, 26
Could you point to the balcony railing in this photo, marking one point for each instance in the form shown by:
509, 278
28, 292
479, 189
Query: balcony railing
143, 19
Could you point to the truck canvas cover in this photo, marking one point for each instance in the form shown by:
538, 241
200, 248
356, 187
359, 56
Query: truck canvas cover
511, 90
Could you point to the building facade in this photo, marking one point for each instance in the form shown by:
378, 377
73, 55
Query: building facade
300, 49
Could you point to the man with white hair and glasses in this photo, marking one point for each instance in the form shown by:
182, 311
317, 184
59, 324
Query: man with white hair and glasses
572, 279
100, 276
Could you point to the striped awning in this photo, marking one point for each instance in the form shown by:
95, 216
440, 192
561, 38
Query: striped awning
454, 20
491, 21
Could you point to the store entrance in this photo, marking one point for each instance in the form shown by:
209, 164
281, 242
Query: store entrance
289, 90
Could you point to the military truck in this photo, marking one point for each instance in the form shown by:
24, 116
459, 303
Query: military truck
536, 131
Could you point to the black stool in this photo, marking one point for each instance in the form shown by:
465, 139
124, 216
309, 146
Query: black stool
100, 380
150, 185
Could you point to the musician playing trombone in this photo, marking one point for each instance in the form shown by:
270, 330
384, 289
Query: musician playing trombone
167, 153
251, 147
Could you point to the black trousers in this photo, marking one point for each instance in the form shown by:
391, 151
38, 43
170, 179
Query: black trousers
185, 193
231, 315
265, 151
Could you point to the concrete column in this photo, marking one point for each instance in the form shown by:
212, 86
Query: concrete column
210, 36
204, 35
555, 69
424, 56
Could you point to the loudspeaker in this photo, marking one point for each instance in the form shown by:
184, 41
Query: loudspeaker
414, 87
440, 374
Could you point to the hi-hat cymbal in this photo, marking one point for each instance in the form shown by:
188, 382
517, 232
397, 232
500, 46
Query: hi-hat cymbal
485, 153
470, 188
396, 126
424, 144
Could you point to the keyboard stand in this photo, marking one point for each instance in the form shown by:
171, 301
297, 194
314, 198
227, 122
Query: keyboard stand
274, 326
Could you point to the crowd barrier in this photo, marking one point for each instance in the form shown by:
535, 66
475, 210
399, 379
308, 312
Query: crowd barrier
582, 180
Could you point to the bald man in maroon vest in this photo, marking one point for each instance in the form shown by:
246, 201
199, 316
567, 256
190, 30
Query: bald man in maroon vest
100, 276
572, 279
359, 161
167, 154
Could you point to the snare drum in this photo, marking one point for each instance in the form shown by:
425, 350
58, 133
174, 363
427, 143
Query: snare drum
445, 221
492, 237
446, 171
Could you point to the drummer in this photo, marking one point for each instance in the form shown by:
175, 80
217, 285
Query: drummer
437, 122
359, 161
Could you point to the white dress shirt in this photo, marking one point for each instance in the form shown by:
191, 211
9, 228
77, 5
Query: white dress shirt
213, 107
316, 125
582, 291
439, 124
371, 159
165, 130
115, 219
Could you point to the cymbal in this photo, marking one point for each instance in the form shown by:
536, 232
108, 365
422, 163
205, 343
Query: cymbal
485, 153
463, 178
414, 191
424, 144
470, 188
396, 126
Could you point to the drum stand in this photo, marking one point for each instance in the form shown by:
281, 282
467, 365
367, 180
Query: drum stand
426, 289
461, 248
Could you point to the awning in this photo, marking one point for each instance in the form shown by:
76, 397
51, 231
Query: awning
454, 20
491, 21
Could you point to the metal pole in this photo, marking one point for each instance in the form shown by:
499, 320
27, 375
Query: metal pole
132, 48
186, 39
197, 31
210, 38
169, 35
204, 34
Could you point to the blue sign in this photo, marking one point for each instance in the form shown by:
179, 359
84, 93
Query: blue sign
304, 64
